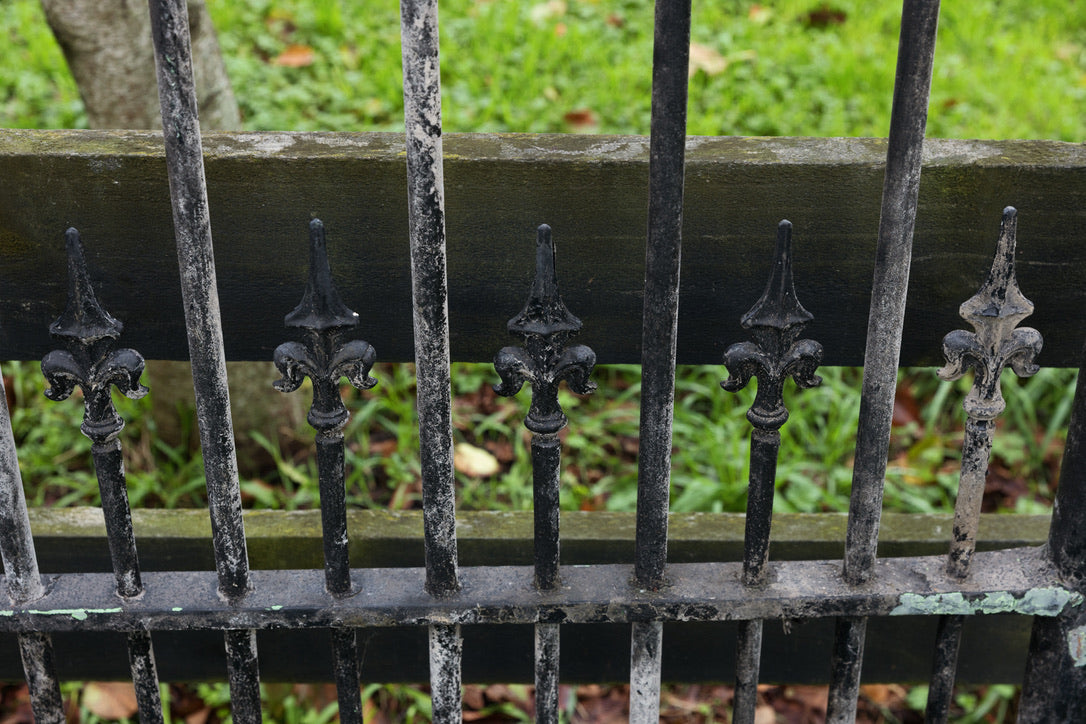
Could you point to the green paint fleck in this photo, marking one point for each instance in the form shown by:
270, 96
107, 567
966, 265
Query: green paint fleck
79, 614
1048, 601
275, 608
7, 613
177, 609
912, 604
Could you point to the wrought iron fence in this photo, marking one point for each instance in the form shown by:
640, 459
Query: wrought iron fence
1047, 583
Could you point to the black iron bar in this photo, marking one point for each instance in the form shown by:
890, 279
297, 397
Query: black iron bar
547, 653
847, 661
546, 479
348, 674
660, 318
195, 255
893, 255
748, 660
325, 356
426, 206
776, 322
91, 362
39, 666
430, 306
1057, 647
667, 152
646, 642
944, 668
546, 326
994, 312
446, 649
141, 661
22, 579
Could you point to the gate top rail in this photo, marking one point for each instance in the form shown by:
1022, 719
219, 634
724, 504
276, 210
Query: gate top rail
114, 187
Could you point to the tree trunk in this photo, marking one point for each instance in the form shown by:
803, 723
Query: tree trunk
107, 44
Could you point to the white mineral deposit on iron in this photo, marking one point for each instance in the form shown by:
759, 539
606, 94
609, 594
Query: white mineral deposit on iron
271, 142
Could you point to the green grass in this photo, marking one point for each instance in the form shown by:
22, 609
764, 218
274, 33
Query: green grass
1010, 69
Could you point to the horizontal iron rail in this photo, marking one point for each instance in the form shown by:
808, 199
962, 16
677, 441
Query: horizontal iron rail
1011, 581
737, 188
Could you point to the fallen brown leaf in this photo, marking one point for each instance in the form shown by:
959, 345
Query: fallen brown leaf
581, 118
707, 60
474, 462
765, 714
825, 16
110, 699
200, 716
473, 697
296, 56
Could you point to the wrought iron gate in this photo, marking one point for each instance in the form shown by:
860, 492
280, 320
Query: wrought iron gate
1047, 583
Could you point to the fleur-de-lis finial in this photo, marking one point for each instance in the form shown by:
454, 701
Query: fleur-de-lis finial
90, 362
323, 356
545, 325
994, 311
775, 321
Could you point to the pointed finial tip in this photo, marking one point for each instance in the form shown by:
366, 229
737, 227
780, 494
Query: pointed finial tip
72, 240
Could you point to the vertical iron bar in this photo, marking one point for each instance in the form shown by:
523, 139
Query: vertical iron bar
1057, 648
660, 319
893, 256
748, 659
546, 326
429, 293
243, 671
546, 673
426, 205
646, 642
141, 661
91, 361
22, 577
847, 662
776, 322
16, 542
667, 153
192, 228
764, 447
325, 356
546, 474
330, 479
109, 466
944, 668
994, 311
446, 648
348, 674
901, 186
36, 651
